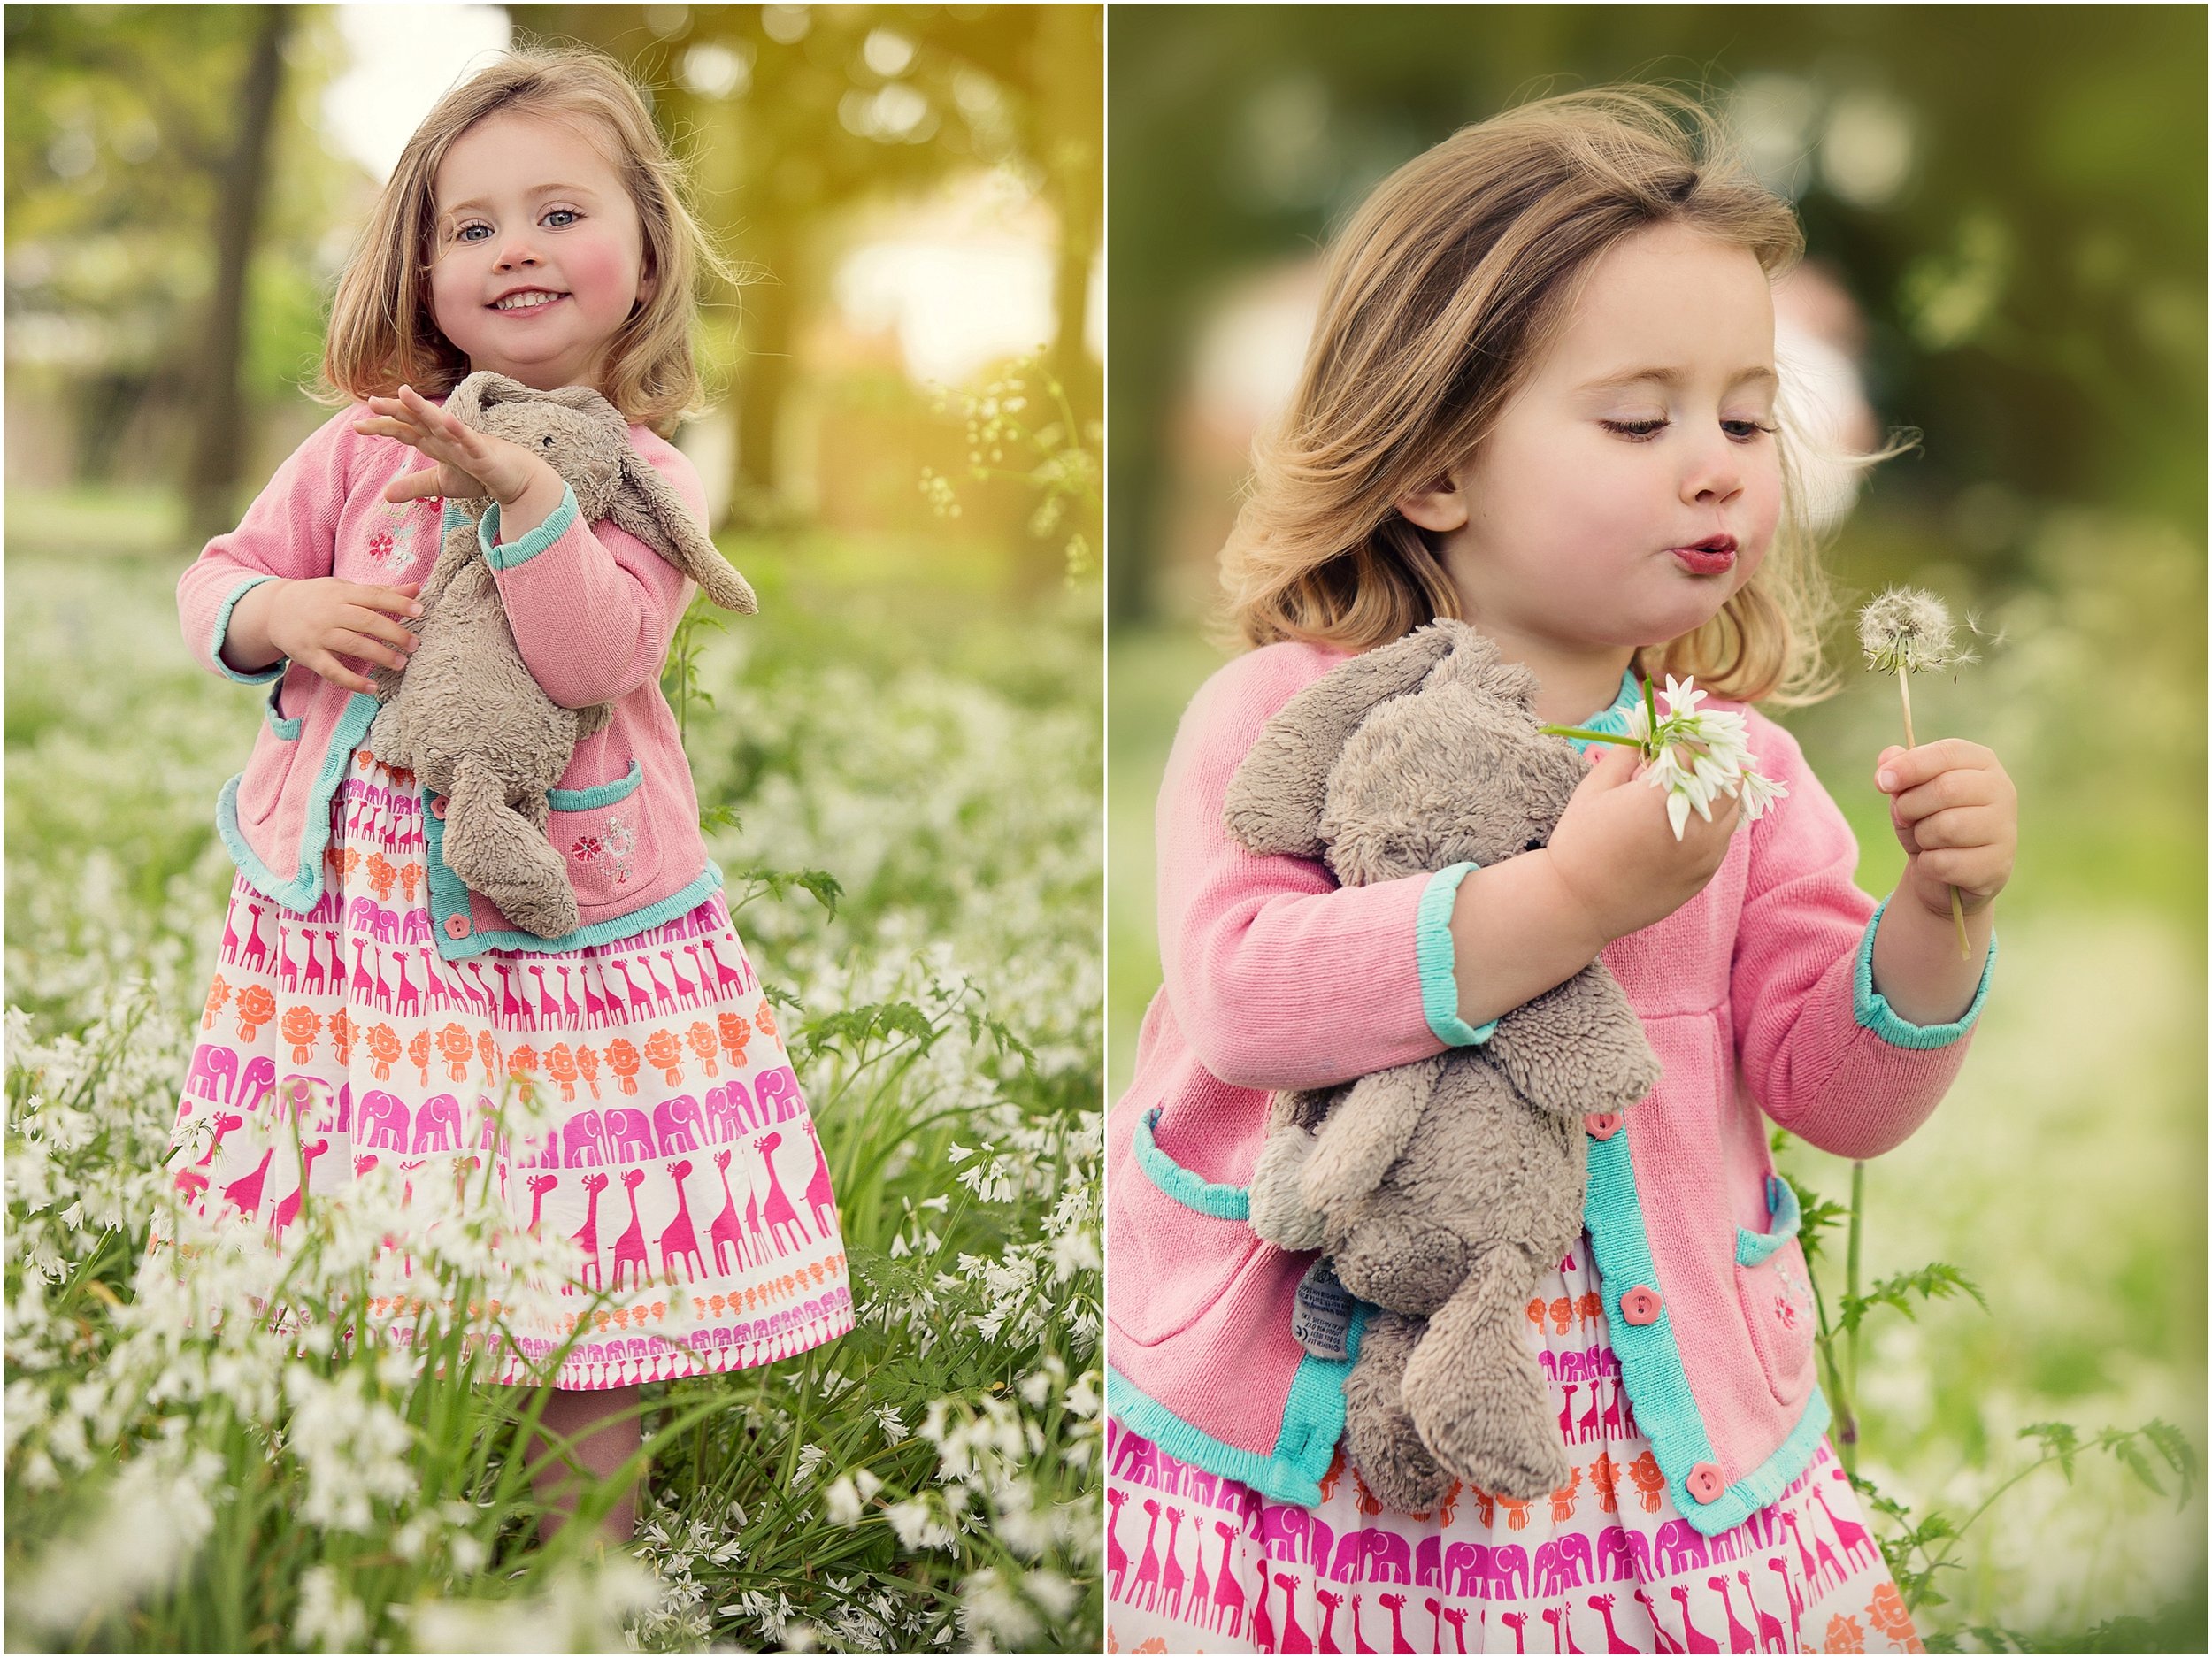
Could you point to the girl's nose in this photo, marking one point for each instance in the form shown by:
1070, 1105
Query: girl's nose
1716, 474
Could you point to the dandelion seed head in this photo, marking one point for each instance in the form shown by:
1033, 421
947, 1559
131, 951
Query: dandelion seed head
1908, 630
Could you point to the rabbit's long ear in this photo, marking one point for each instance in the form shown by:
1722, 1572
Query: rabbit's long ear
1474, 661
479, 392
1275, 799
653, 512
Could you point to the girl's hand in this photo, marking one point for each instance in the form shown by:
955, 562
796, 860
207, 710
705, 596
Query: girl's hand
1958, 816
1616, 852
313, 621
469, 463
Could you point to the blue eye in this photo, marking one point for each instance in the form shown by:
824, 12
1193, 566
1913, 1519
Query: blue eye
1644, 431
570, 211
461, 235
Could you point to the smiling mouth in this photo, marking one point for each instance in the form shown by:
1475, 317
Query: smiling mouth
533, 299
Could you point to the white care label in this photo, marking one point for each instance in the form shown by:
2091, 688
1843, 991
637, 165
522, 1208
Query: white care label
1321, 1315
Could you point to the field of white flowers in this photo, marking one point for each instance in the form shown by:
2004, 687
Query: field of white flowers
177, 1480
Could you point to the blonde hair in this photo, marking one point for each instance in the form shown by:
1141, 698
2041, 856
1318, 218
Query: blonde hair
382, 332
1441, 295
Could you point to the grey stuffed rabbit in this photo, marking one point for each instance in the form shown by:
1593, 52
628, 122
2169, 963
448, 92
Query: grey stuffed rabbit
465, 715
1443, 1189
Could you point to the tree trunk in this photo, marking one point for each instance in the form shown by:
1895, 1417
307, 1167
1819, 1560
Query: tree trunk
1071, 123
219, 447
767, 312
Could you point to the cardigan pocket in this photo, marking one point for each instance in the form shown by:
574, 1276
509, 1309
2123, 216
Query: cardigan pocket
276, 745
1177, 1242
604, 833
1776, 1297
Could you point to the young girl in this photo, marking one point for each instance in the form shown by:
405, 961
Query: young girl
1540, 396
534, 228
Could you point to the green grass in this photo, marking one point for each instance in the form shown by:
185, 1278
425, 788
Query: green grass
897, 717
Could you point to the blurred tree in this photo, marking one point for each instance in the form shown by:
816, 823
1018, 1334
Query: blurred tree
795, 113
218, 439
127, 179
2033, 271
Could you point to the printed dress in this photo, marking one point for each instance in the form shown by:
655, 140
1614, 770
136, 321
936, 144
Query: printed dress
1199, 1564
682, 1161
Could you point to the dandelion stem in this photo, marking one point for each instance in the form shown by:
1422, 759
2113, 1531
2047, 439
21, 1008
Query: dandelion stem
1958, 910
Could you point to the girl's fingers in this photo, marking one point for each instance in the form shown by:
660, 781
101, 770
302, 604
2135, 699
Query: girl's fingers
326, 663
367, 647
1945, 790
413, 486
399, 600
374, 624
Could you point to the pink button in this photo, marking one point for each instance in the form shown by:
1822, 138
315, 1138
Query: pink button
457, 926
437, 805
1640, 1305
1706, 1483
1603, 1125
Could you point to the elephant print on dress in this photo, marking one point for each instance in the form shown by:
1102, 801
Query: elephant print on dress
1467, 1569
629, 1134
255, 1084
678, 1122
1679, 1547
583, 1140
776, 1094
383, 1121
438, 1124
212, 1061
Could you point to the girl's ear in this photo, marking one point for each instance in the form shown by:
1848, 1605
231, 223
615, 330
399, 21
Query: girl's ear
1441, 506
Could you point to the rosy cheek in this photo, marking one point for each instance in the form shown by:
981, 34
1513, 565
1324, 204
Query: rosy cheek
601, 270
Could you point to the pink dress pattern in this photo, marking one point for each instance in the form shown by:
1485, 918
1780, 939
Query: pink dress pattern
1198, 1563
682, 1161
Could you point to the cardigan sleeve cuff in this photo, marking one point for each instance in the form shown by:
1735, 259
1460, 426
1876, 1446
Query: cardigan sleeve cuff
1872, 1010
530, 546
1432, 947
259, 676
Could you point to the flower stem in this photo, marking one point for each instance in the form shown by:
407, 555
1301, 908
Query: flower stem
1589, 736
1958, 910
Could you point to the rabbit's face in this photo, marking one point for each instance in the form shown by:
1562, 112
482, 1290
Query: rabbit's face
574, 443
1456, 772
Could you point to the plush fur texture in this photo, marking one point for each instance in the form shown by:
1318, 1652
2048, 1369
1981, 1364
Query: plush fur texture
465, 715
1441, 1190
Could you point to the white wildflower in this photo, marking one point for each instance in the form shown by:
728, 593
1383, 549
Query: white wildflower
330, 1620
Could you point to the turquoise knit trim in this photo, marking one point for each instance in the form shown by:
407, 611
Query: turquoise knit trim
597, 794
1192, 1191
305, 888
530, 546
259, 676
1313, 1416
1651, 1363
1613, 720
287, 730
1871, 1008
450, 896
1432, 950
1753, 1248
1292, 1473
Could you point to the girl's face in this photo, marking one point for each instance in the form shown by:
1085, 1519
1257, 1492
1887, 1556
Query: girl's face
530, 210
1647, 427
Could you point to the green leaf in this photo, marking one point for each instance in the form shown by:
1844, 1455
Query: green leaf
1937, 1280
720, 817
2059, 1439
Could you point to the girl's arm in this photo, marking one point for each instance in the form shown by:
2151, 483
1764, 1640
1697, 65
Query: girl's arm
1278, 978
593, 607
290, 531
1821, 1047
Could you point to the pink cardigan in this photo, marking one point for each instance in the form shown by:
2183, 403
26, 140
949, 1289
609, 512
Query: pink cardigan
593, 610
1757, 993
